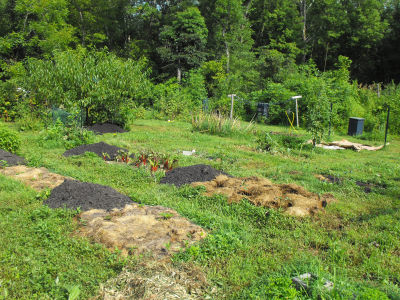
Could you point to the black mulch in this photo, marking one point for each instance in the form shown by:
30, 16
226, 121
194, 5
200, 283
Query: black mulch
11, 159
369, 186
187, 175
106, 128
73, 194
98, 148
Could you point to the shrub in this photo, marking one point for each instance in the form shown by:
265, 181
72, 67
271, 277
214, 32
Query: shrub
66, 136
281, 142
9, 140
219, 125
97, 83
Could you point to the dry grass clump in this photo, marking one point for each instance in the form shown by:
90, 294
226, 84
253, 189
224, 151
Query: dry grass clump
294, 199
157, 281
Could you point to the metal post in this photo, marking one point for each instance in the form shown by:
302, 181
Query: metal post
330, 120
297, 108
387, 125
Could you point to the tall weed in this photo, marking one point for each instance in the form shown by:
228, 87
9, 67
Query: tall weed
219, 125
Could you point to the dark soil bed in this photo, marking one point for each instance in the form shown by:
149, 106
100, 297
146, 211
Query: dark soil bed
73, 194
98, 148
187, 175
106, 128
10, 159
369, 186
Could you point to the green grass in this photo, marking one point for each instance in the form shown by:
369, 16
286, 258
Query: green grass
38, 257
252, 252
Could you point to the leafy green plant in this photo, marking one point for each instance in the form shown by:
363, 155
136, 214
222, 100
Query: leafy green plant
280, 142
272, 287
9, 140
67, 136
166, 215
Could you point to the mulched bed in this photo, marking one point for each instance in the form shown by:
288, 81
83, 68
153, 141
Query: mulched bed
11, 159
73, 194
98, 148
106, 128
187, 175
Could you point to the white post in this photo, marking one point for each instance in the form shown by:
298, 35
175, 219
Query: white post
232, 100
297, 109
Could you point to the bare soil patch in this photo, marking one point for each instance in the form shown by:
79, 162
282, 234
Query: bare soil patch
36, 178
73, 194
10, 159
156, 281
138, 228
294, 199
187, 175
97, 148
106, 128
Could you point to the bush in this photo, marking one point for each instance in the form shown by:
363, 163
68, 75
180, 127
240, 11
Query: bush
66, 136
281, 142
9, 140
96, 83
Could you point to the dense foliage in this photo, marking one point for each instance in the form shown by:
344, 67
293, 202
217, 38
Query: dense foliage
105, 61
9, 140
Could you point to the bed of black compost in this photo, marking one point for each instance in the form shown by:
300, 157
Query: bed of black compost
98, 148
187, 175
73, 194
106, 128
10, 159
369, 186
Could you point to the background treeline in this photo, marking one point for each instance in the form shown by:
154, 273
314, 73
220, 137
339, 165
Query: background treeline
114, 60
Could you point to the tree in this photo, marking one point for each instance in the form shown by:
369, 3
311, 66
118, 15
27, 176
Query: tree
40, 29
184, 41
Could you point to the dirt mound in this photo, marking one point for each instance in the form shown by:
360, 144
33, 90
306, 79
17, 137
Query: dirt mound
187, 175
156, 281
140, 228
73, 194
98, 148
10, 159
37, 178
294, 199
106, 128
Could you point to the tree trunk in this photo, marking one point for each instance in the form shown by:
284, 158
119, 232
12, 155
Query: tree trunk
227, 51
179, 74
326, 55
303, 13
82, 29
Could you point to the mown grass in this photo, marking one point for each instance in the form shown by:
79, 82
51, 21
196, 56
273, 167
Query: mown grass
38, 257
252, 252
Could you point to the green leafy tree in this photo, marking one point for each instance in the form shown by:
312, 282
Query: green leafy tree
184, 41
96, 83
